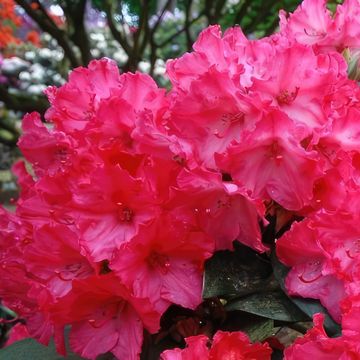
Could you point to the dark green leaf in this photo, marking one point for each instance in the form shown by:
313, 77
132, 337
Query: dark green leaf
234, 274
308, 306
273, 305
260, 330
30, 349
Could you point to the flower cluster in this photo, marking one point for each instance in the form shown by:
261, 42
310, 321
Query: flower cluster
117, 219
131, 188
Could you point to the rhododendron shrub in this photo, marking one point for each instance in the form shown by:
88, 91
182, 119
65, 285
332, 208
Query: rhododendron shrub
152, 220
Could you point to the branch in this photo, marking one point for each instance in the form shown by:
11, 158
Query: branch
75, 13
140, 44
153, 57
177, 33
44, 12
261, 15
189, 40
208, 10
159, 19
218, 9
54, 31
173, 36
242, 12
143, 28
153, 45
108, 7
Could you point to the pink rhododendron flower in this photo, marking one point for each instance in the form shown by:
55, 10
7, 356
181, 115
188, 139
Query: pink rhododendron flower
105, 317
225, 345
53, 255
202, 199
351, 320
324, 256
318, 345
164, 263
196, 349
19, 291
87, 86
269, 163
259, 111
49, 152
313, 24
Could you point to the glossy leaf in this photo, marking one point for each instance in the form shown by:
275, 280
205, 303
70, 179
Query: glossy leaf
30, 349
260, 330
233, 274
273, 305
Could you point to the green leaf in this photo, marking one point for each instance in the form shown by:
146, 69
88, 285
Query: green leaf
30, 349
273, 305
258, 328
234, 274
308, 306
260, 331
